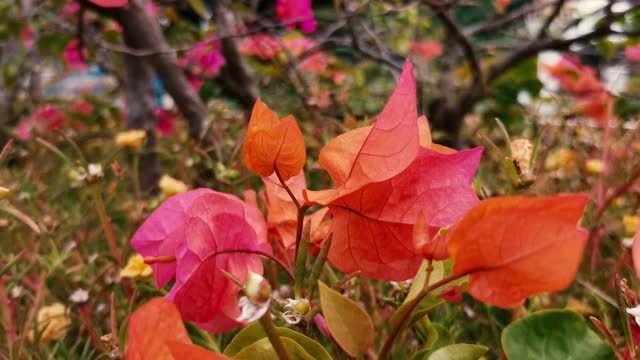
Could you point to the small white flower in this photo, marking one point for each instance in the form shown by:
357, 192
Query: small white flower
69, 246
17, 291
80, 296
102, 307
627, 243
95, 170
92, 258
295, 310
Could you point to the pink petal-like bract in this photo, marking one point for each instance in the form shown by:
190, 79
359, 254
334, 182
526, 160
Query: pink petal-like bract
160, 233
110, 3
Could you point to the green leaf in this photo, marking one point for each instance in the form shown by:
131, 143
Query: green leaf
443, 338
199, 8
554, 334
459, 352
349, 324
262, 350
254, 333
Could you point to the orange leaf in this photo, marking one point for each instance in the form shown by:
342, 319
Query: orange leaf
515, 247
183, 351
374, 153
273, 143
146, 342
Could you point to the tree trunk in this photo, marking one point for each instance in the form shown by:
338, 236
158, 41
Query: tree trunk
236, 76
140, 114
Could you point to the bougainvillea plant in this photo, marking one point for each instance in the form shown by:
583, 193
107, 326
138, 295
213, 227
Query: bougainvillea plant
402, 208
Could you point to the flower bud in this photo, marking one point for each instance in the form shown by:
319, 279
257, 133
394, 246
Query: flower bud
4, 192
521, 151
132, 139
594, 166
258, 290
170, 186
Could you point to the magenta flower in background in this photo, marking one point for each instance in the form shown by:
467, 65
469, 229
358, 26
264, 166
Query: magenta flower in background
110, 3
193, 227
294, 12
205, 57
632, 53
45, 120
263, 46
166, 122
426, 49
72, 56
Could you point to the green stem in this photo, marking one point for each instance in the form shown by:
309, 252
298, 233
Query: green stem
318, 265
136, 174
272, 333
301, 261
399, 325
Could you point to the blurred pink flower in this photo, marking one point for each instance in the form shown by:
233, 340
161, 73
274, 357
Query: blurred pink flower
70, 9
82, 107
294, 12
426, 49
263, 46
166, 122
633, 53
194, 227
72, 57
591, 96
27, 37
45, 120
152, 9
110, 3
205, 57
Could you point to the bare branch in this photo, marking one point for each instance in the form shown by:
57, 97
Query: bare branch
547, 23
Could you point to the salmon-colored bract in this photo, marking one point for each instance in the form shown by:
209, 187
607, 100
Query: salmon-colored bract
515, 247
385, 175
273, 144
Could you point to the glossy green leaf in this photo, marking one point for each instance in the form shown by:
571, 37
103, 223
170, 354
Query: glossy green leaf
254, 333
443, 338
262, 350
554, 334
459, 352
349, 324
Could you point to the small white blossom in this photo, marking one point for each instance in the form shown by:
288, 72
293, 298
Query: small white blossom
80, 296
95, 170
295, 310
17, 291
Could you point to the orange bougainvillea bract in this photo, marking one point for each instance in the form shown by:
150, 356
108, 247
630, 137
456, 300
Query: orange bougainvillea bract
515, 247
282, 213
273, 144
156, 332
591, 96
383, 178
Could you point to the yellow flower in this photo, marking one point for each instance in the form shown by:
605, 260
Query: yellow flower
521, 150
53, 323
594, 166
136, 268
170, 186
132, 139
631, 224
4, 192
561, 159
